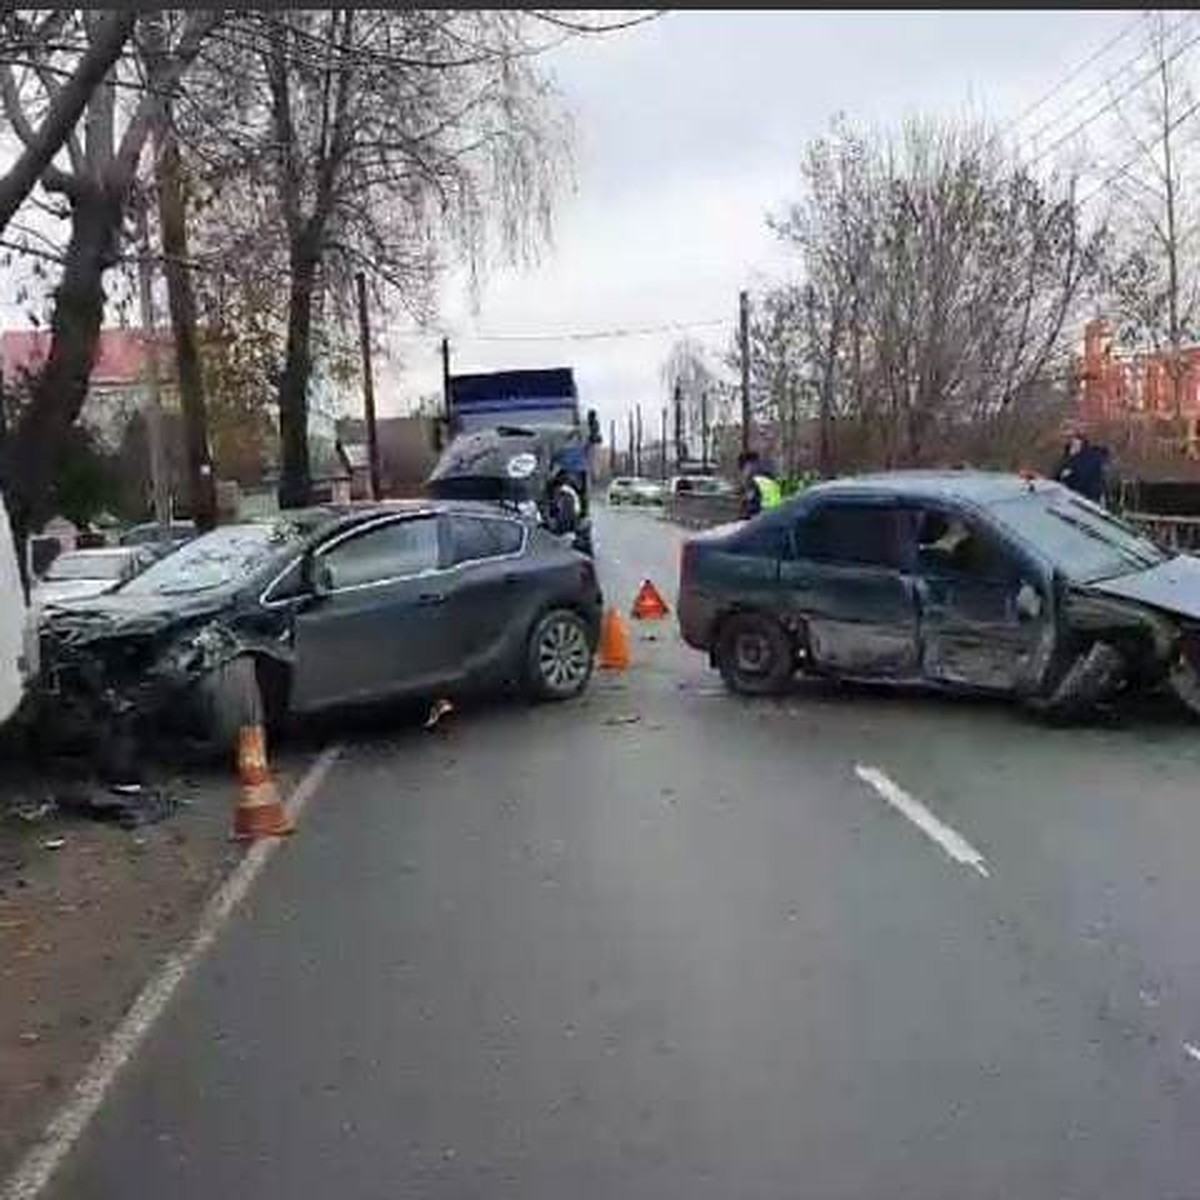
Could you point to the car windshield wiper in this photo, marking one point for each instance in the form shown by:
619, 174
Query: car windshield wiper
1127, 553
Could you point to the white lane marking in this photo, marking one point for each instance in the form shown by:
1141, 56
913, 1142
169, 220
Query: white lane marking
951, 841
1192, 1051
38, 1166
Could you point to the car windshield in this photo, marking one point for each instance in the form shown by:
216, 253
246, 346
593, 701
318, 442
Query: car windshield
213, 560
1081, 538
88, 566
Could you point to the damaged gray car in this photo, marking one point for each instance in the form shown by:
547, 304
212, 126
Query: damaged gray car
322, 609
958, 581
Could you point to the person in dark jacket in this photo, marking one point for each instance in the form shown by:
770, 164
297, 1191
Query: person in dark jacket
1083, 467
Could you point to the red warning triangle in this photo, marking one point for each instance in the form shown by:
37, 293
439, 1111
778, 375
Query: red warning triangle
649, 605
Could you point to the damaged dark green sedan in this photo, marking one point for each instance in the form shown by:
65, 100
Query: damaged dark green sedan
959, 581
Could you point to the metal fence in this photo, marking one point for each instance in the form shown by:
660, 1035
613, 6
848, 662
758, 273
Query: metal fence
1176, 532
701, 512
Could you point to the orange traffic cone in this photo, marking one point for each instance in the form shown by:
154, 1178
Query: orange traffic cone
260, 813
613, 654
649, 605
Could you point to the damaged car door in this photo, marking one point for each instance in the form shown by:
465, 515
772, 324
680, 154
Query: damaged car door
984, 606
844, 585
372, 625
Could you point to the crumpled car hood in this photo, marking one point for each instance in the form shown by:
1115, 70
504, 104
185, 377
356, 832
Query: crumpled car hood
121, 615
1173, 586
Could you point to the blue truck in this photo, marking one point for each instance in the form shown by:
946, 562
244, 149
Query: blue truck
518, 438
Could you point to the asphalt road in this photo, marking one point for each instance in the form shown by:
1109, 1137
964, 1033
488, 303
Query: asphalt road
667, 943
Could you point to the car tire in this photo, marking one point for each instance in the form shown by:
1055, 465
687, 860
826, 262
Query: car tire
558, 656
754, 655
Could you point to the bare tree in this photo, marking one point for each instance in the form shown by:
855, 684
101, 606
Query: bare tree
70, 78
938, 276
97, 188
704, 394
388, 141
1153, 277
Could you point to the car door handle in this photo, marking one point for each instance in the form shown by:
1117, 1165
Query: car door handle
431, 598
510, 578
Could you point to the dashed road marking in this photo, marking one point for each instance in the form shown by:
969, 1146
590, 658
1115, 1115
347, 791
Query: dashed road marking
65, 1128
952, 842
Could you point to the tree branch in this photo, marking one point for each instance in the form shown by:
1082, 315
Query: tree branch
200, 23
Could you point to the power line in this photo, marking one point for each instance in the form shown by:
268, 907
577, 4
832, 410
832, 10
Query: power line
587, 335
1131, 163
1109, 79
1073, 74
1112, 104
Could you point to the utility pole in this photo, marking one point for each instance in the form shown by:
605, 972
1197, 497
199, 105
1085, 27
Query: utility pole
679, 455
662, 447
612, 448
181, 303
153, 404
629, 464
446, 378
364, 341
638, 459
704, 430
744, 341
442, 427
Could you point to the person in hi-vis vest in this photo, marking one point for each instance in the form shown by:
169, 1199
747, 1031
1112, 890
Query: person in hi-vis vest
760, 489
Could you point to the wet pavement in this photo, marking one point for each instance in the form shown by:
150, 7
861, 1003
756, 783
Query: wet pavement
663, 942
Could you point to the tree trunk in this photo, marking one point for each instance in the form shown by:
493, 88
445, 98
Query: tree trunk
201, 484
295, 482
60, 391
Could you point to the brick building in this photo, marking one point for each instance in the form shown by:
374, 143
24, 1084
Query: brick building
1137, 393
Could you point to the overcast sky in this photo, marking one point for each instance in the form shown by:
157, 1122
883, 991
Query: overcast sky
689, 131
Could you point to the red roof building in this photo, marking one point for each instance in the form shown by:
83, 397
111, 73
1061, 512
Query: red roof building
120, 356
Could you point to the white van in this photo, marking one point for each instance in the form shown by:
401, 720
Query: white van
12, 621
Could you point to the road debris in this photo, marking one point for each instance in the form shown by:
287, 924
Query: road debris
437, 710
53, 843
1191, 1051
129, 805
625, 719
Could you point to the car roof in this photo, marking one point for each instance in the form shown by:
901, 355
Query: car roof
979, 487
362, 511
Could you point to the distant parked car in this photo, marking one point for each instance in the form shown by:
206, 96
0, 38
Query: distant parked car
647, 492
325, 608
79, 574
959, 581
620, 490
699, 485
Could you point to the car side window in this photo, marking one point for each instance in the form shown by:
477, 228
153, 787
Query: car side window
949, 544
474, 538
393, 551
764, 541
850, 534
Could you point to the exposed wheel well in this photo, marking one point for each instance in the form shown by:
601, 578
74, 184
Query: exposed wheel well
794, 629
